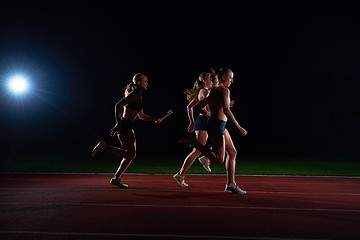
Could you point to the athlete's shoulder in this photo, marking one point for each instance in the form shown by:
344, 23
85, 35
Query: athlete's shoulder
204, 91
133, 95
223, 89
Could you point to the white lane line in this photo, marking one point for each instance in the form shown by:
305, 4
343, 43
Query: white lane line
305, 193
186, 206
249, 192
52, 180
170, 174
168, 236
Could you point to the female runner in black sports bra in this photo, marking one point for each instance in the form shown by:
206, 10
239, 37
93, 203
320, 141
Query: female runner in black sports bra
126, 111
200, 90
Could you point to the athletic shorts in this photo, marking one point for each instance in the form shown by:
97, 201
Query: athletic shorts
126, 125
216, 127
201, 123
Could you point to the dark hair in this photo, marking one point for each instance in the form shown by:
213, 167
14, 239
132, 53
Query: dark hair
133, 85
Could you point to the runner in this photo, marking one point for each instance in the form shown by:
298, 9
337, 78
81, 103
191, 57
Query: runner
200, 90
126, 111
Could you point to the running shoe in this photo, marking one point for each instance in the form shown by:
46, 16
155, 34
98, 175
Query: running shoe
180, 180
117, 182
233, 188
205, 162
98, 147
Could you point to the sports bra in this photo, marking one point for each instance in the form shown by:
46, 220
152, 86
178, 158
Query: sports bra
137, 106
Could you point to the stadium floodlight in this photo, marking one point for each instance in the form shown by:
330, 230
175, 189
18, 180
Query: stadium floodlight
18, 84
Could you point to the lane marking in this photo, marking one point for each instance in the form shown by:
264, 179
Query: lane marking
190, 174
188, 206
168, 236
249, 192
189, 180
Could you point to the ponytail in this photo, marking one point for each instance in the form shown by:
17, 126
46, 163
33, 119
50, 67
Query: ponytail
132, 86
214, 77
191, 94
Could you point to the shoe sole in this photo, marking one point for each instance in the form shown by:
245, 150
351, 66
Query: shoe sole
242, 193
119, 185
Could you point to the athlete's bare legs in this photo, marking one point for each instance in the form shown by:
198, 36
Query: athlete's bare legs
201, 137
217, 152
230, 161
128, 142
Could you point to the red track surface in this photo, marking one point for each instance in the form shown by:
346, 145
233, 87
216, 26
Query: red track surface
155, 207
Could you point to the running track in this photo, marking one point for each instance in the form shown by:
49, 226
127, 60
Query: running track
70, 206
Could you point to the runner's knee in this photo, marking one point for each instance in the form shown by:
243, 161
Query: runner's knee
232, 153
130, 155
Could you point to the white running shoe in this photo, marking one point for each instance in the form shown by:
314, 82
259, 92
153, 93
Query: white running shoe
233, 188
180, 180
205, 162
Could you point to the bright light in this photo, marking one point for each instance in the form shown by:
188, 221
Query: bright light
18, 84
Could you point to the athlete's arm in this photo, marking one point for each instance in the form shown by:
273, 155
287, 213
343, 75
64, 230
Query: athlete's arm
190, 112
203, 93
228, 113
119, 107
148, 118
122, 103
200, 106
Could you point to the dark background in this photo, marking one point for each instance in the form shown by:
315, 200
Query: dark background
296, 73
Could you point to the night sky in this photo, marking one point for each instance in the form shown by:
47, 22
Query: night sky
296, 73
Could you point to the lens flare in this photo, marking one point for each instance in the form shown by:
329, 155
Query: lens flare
18, 84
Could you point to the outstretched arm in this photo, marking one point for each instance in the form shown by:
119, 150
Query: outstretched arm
229, 114
148, 118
